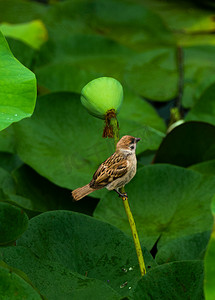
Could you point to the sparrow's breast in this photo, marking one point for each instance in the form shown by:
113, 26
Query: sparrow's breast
131, 171
132, 167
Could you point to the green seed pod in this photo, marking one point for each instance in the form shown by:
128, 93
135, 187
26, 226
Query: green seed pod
102, 95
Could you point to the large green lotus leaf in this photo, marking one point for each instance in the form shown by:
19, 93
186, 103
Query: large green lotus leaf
73, 76
18, 88
32, 33
187, 144
199, 72
204, 109
61, 141
64, 143
137, 109
72, 244
16, 271
13, 222
177, 280
12, 286
56, 281
153, 74
209, 286
82, 49
76, 59
171, 208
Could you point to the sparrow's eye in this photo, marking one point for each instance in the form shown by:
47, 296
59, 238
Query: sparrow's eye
132, 147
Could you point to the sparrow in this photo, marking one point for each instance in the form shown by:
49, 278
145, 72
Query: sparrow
115, 172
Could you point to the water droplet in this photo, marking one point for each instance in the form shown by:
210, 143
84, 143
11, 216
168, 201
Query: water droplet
15, 115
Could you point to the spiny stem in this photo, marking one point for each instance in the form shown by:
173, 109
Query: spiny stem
134, 234
115, 125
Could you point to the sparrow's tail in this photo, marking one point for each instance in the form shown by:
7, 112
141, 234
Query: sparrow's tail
82, 192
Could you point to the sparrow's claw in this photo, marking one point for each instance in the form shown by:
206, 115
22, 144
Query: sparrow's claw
124, 196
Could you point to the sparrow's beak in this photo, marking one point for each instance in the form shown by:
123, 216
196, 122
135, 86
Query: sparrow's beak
137, 140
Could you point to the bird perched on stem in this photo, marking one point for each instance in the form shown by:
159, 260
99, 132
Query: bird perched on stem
114, 172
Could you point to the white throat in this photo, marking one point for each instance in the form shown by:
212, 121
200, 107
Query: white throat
127, 152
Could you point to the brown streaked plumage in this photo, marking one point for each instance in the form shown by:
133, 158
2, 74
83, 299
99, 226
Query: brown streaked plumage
114, 172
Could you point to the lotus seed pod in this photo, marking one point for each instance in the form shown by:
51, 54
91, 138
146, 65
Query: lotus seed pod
102, 95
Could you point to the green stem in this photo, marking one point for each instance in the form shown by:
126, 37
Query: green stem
115, 126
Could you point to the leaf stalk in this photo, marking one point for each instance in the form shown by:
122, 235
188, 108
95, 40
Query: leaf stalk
115, 126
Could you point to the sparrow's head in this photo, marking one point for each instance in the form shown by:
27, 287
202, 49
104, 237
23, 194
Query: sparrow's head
127, 144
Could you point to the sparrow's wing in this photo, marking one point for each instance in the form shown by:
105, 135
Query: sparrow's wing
114, 167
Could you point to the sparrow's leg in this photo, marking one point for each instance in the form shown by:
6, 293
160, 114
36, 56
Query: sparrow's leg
120, 194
